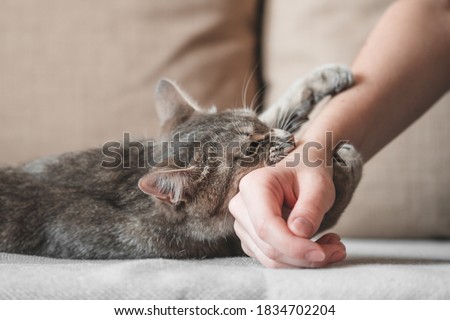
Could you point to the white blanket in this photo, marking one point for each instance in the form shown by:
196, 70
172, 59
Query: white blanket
374, 269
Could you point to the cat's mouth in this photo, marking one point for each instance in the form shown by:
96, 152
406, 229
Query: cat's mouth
289, 145
283, 144
289, 148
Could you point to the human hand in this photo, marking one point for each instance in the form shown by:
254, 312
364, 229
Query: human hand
282, 239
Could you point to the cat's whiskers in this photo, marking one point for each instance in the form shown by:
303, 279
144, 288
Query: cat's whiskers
282, 120
245, 88
279, 120
286, 117
289, 119
293, 125
257, 97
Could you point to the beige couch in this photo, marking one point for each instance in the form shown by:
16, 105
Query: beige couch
75, 74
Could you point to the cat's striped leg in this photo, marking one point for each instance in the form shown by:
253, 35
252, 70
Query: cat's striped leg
289, 112
347, 172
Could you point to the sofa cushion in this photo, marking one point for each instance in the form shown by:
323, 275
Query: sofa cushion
374, 269
405, 188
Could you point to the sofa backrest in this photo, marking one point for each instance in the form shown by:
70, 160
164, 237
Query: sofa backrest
75, 74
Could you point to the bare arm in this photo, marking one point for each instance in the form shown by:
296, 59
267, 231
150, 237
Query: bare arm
403, 68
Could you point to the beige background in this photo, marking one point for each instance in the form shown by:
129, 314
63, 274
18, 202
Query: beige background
78, 73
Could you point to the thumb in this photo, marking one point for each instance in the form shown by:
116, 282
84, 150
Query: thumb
315, 198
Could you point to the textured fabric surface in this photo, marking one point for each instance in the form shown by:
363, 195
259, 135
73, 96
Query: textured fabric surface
375, 269
405, 189
75, 74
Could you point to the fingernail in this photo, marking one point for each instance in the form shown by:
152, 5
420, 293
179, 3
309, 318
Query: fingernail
335, 238
331, 238
337, 256
302, 227
315, 256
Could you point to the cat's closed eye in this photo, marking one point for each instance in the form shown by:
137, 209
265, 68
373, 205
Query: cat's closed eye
252, 148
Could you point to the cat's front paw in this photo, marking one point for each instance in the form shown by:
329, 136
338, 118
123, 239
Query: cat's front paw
347, 155
282, 142
330, 80
349, 163
347, 171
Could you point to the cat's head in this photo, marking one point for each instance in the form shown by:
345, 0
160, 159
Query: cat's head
202, 154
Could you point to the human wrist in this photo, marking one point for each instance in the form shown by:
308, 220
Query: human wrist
345, 119
310, 156
317, 147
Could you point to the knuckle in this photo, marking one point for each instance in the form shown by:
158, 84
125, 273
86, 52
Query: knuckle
236, 227
295, 252
262, 230
312, 213
246, 182
324, 179
253, 179
271, 253
247, 251
327, 184
233, 206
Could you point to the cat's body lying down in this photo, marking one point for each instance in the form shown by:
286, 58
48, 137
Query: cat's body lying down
169, 200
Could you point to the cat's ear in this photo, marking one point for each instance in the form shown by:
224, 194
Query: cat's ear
173, 106
172, 186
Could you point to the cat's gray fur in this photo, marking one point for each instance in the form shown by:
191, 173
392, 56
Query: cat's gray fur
72, 207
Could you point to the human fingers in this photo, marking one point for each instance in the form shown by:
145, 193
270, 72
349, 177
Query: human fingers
262, 194
256, 247
269, 255
252, 250
339, 253
329, 238
316, 195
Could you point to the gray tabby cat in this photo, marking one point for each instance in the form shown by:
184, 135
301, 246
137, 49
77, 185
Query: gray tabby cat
169, 200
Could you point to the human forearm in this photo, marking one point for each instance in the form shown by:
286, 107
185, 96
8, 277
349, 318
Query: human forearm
403, 68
